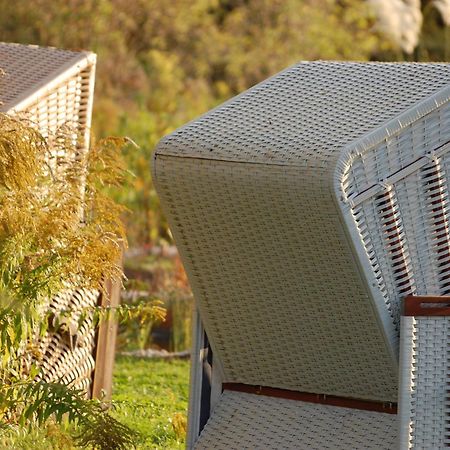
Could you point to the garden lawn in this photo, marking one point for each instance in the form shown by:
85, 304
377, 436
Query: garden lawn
151, 397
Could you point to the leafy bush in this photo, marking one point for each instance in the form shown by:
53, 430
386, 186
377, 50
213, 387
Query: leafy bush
57, 223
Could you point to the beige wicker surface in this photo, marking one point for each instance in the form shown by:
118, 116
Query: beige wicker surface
54, 88
307, 114
68, 354
245, 421
275, 307
29, 69
425, 383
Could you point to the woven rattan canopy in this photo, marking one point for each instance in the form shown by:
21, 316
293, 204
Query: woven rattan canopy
304, 210
29, 71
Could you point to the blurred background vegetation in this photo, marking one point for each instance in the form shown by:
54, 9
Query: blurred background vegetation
162, 63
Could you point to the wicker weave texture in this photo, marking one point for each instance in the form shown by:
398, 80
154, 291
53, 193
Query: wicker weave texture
66, 107
425, 383
262, 257
67, 354
27, 68
246, 421
404, 224
53, 88
248, 189
307, 114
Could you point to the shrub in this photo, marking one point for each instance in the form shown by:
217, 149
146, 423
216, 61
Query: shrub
57, 223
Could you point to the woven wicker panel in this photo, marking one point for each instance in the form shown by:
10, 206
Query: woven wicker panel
280, 298
246, 421
28, 68
404, 227
65, 355
425, 383
66, 105
65, 101
307, 114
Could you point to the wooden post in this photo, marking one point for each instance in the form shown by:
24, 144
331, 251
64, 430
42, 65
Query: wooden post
106, 345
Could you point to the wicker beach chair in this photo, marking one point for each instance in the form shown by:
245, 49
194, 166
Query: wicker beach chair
305, 210
53, 88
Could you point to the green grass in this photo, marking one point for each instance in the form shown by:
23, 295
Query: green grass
152, 400
152, 396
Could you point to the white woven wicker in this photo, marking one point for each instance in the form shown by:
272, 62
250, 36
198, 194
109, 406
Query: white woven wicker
304, 210
54, 88
246, 421
424, 395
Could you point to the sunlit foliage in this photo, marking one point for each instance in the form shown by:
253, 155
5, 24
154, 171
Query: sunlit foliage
58, 226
